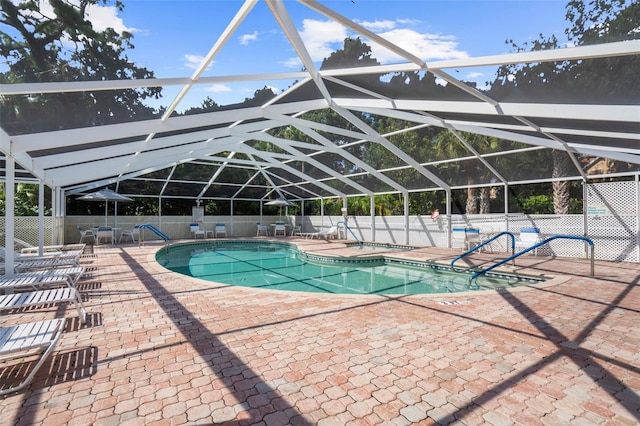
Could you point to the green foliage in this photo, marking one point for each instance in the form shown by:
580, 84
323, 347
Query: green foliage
66, 47
613, 80
538, 204
26, 200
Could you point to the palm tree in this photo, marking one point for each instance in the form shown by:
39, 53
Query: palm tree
561, 167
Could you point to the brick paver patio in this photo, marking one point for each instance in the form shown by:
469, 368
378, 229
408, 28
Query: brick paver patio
159, 348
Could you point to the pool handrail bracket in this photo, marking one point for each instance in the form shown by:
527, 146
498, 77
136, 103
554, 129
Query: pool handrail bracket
535, 246
484, 243
343, 223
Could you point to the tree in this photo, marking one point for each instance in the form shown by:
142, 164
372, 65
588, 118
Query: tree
58, 43
613, 80
25, 200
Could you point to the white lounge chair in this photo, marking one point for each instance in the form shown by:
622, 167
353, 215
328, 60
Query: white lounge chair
331, 233
18, 341
49, 255
43, 278
44, 297
54, 248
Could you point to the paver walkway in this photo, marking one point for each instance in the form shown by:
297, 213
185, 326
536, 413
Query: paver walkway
159, 348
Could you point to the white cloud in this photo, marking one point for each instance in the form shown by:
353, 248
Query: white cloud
474, 75
293, 62
103, 17
375, 26
217, 88
322, 37
409, 21
245, 39
193, 61
423, 45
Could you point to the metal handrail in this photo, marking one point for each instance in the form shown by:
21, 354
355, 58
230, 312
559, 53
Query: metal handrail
471, 250
535, 246
153, 229
349, 229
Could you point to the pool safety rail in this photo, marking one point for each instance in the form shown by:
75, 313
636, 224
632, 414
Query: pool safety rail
153, 229
346, 226
489, 241
533, 247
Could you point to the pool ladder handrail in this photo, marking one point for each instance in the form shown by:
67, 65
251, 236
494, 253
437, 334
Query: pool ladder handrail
153, 229
484, 243
349, 229
535, 246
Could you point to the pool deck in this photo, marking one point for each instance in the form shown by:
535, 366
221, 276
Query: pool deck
160, 348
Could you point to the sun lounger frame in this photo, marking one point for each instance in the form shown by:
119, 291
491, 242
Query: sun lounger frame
44, 297
17, 341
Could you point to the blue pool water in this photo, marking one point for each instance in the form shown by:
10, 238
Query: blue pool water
280, 266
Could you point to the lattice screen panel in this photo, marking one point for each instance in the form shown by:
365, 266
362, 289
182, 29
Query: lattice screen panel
26, 230
612, 220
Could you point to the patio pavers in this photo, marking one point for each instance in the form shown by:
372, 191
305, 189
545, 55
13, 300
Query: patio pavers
159, 348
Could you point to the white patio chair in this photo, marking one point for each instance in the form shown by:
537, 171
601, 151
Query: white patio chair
220, 230
130, 233
262, 230
86, 233
197, 230
528, 237
281, 229
104, 234
470, 237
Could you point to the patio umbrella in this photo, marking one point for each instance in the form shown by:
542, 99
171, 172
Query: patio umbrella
280, 202
105, 195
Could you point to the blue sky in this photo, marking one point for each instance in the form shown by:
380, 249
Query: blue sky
171, 37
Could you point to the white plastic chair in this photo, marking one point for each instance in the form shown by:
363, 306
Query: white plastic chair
220, 229
296, 230
262, 230
281, 229
86, 233
470, 237
528, 237
197, 230
130, 233
104, 234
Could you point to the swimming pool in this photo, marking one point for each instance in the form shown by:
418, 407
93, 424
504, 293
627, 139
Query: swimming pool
281, 266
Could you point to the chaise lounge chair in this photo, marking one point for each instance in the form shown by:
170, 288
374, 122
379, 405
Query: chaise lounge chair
44, 297
331, 233
18, 341
42, 278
